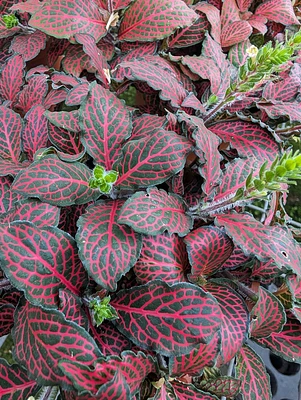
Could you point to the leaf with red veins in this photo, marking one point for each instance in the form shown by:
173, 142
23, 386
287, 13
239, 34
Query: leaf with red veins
267, 316
142, 21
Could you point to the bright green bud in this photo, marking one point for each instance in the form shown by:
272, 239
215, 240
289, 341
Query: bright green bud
93, 183
10, 21
104, 187
280, 170
111, 176
98, 172
101, 310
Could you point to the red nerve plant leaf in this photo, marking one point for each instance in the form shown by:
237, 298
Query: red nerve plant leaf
235, 319
56, 182
152, 160
14, 382
143, 21
10, 134
252, 373
264, 242
43, 337
106, 124
208, 248
41, 273
162, 257
107, 249
168, 319
267, 316
285, 344
63, 19
154, 212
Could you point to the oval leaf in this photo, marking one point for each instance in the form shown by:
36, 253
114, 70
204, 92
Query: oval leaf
167, 319
250, 369
235, 319
106, 124
208, 248
43, 337
56, 182
155, 212
107, 249
152, 160
143, 21
267, 316
63, 19
162, 257
264, 242
50, 258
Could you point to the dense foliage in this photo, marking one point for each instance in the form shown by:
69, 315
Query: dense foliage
131, 264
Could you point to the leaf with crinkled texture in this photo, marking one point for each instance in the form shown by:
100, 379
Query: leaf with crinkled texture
133, 367
12, 78
6, 319
77, 95
264, 271
238, 53
281, 11
55, 96
151, 70
190, 392
203, 355
264, 242
33, 93
267, 316
7, 197
235, 319
222, 386
107, 249
29, 46
98, 60
35, 132
75, 61
14, 382
66, 141
167, 319
162, 257
29, 6
236, 32
43, 337
151, 160
106, 123
154, 212
229, 12
41, 214
285, 90
10, 135
294, 284
63, 19
249, 139
71, 307
143, 21
189, 36
64, 119
250, 369
5, 33
109, 339
56, 182
291, 110
62, 269
208, 248
285, 344
144, 125
244, 5
213, 16
207, 144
